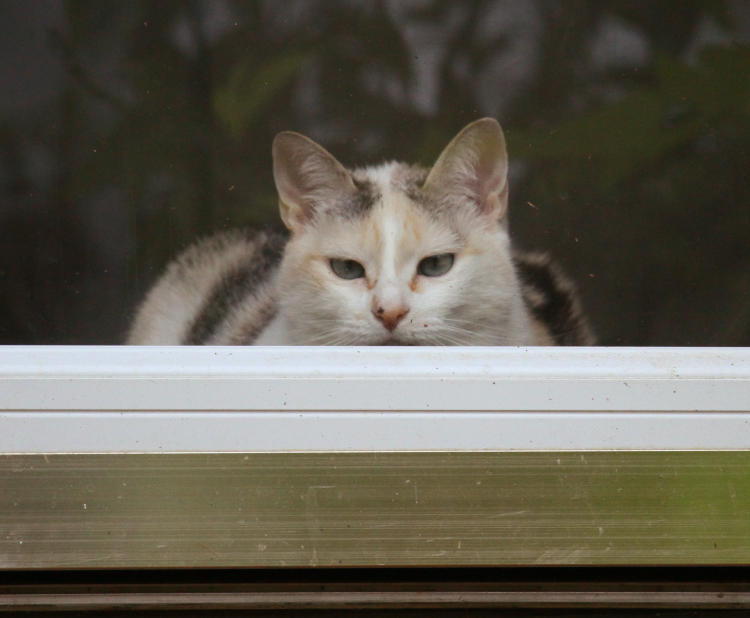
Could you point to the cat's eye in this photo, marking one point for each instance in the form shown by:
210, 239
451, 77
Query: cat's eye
436, 265
347, 269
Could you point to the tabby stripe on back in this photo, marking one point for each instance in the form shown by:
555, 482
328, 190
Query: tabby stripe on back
231, 289
552, 299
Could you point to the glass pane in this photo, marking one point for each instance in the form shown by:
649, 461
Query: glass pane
128, 130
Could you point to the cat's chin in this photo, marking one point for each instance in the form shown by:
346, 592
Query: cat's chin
396, 341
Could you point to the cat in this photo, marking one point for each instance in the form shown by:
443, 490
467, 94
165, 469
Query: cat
393, 254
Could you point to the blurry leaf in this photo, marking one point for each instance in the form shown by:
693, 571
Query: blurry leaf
239, 102
637, 131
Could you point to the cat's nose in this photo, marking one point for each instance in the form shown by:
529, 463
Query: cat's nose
390, 317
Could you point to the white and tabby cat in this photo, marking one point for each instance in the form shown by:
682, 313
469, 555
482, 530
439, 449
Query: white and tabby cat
387, 255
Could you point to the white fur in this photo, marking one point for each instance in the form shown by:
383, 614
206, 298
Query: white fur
276, 333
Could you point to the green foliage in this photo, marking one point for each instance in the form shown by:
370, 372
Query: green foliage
636, 133
249, 89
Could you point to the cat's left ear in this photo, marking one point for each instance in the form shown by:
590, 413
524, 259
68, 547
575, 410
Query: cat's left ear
474, 167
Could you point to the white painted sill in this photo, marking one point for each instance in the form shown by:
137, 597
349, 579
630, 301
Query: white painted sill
208, 399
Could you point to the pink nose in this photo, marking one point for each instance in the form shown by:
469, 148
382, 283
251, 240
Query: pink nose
390, 317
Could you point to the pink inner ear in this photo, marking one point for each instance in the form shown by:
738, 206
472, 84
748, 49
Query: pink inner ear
492, 187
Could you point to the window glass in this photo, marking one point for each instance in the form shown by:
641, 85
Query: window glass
127, 130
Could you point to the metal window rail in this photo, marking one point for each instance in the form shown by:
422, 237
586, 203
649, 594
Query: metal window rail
278, 457
687, 591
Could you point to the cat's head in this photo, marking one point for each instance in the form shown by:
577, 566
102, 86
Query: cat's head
396, 254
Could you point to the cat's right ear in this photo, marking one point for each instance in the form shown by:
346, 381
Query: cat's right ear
307, 178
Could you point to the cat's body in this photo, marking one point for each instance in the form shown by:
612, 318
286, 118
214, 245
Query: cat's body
386, 255
222, 291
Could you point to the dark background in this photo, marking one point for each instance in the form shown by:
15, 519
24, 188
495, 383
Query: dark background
128, 129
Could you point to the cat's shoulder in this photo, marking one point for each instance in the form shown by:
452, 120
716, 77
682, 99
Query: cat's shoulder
198, 288
553, 299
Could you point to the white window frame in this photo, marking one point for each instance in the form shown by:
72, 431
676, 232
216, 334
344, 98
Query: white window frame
93, 399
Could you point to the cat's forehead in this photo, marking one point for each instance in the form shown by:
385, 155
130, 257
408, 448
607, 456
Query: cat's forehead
394, 193
387, 186
393, 223
392, 176
388, 213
